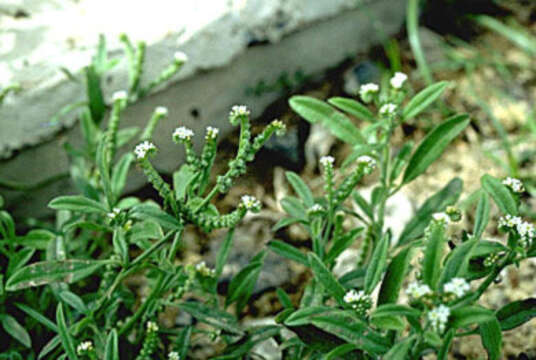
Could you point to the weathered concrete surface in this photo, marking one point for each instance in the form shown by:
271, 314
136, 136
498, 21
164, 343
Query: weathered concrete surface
299, 35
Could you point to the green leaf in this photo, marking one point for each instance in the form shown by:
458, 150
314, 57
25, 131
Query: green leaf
293, 207
288, 251
183, 341
444, 350
304, 316
95, 99
481, 216
36, 239
342, 243
500, 194
77, 203
490, 333
339, 351
437, 203
363, 204
111, 352
182, 180
223, 252
394, 277
457, 262
377, 264
126, 134
153, 212
433, 145
400, 350
301, 188
516, 313
396, 310
243, 283
16, 330
47, 272
120, 173
65, 336
353, 108
423, 99
388, 323
433, 253
317, 111
284, 299
38, 316
469, 315
74, 300
219, 319
326, 278
18, 260
517, 35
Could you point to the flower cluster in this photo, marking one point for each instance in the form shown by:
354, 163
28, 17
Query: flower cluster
315, 210
359, 301
174, 356
398, 80
525, 230
438, 317
369, 162
180, 57
121, 95
212, 133
327, 161
182, 134
416, 290
161, 111
144, 149
441, 218
388, 109
366, 91
114, 213
250, 203
204, 270
457, 286
238, 111
84, 347
514, 184
152, 327
279, 126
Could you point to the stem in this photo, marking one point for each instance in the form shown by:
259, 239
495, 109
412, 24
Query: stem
206, 200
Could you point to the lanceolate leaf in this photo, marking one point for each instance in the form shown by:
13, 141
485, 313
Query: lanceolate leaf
377, 264
516, 313
314, 111
481, 216
120, 172
444, 350
326, 278
394, 277
423, 99
65, 336
301, 189
500, 194
211, 316
77, 203
490, 333
400, 350
111, 352
469, 315
47, 272
288, 251
353, 108
242, 284
437, 203
433, 146
458, 261
433, 253
16, 330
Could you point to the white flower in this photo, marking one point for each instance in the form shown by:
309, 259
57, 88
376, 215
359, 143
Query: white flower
239, 110
180, 57
152, 326
120, 95
204, 270
161, 111
113, 214
515, 184
250, 203
367, 160
510, 221
366, 90
457, 286
438, 317
441, 218
174, 356
388, 109
327, 161
142, 150
359, 301
182, 134
212, 132
315, 209
417, 290
353, 296
84, 347
398, 80
279, 126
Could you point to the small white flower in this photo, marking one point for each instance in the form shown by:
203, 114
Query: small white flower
359, 301
152, 326
280, 127
327, 161
441, 218
250, 203
161, 111
398, 80
212, 132
515, 184
204, 270
120, 95
113, 214
84, 347
366, 91
370, 162
182, 134
438, 317
457, 286
174, 356
510, 221
180, 57
239, 110
388, 109
142, 150
417, 290
315, 210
